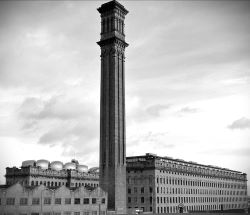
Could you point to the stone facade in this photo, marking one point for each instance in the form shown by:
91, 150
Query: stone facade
165, 185
112, 113
33, 175
21, 200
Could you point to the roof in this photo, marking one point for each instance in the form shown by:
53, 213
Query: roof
150, 155
111, 5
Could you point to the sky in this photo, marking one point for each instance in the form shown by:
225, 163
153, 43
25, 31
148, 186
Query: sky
187, 81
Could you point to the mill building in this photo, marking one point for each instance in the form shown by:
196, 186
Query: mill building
53, 174
154, 184
166, 185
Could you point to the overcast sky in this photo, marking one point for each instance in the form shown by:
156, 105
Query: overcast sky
187, 81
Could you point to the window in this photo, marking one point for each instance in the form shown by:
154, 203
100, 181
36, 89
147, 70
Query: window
23, 201
129, 199
76, 213
94, 212
77, 201
47, 213
34, 213
58, 201
66, 213
47, 201
103, 201
67, 201
85, 213
85, 201
142, 190
142, 199
10, 201
57, 213
150, 189
129, 190
35, 201
135, 189
94, 201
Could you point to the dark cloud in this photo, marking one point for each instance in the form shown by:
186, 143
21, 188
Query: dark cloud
242, 123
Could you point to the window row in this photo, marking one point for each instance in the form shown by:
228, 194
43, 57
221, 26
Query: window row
57, 201
188, 182
140, 190
164, 200
213, 207
55, 184
172, 190
60, 213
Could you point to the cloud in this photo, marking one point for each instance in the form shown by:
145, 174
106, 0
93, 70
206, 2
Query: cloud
155, 110
242, 123
188, 110
60, 120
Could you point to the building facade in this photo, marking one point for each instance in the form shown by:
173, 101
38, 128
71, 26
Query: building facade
112, 111
53, 174
165, 185
21, 200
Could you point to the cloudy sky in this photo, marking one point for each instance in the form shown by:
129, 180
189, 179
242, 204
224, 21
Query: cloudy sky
187, 81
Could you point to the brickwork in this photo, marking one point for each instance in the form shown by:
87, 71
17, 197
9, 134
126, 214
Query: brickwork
112, 113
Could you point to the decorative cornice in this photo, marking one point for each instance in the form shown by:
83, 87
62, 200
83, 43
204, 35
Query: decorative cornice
112, 40
111, 6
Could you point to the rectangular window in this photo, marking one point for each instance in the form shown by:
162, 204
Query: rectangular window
150, 189
135, 189
34, 213
85, 201
66, 213
35, 201
142, 199
103, 200
10, 201
47, 213
67, 201
94, 212
76, 213
129, 199
57, 213
77, 201
58, 201
94, 201
23, 201
142, 190
86, 213
129, 190
47, 201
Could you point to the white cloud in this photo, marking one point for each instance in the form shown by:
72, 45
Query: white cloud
242, 123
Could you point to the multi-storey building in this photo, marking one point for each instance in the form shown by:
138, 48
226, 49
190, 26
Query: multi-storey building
54, 174
166, 185
154, 184
40, 200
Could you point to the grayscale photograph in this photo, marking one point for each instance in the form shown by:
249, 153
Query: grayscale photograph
124, 107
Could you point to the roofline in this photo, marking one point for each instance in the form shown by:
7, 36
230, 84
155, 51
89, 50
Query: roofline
187, 162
